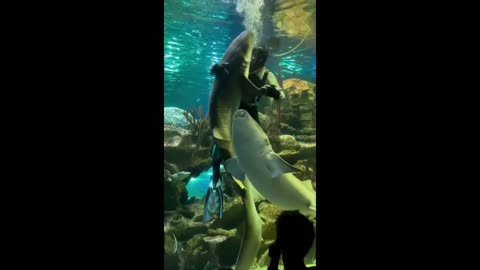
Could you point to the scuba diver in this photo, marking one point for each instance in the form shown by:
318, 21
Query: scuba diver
262, 78
266, 81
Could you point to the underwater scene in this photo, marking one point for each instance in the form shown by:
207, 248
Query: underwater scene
239, 134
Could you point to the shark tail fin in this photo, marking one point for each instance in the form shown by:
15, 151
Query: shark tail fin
219, 70
213, 200
312, 210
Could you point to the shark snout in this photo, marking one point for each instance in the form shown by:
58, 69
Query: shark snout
249, 38
240, 114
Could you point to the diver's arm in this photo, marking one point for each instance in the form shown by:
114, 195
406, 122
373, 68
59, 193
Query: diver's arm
272, 79
274, 90
253, 90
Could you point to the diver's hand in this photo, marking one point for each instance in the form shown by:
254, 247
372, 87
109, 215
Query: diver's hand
279, 95
266, 89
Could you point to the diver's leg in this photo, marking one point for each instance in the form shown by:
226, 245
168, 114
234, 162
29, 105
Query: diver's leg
214, 196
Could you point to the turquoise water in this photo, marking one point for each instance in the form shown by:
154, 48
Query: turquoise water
196, 35
198, 186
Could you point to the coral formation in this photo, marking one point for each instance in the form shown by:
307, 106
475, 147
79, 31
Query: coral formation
198, 125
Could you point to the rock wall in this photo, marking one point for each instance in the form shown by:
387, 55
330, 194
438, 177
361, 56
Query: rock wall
181, 153
173, 116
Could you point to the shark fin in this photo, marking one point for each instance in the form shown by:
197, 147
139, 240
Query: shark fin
256, 195
219, 135
308, 185
239, 183
219, 70
312, 210
279, 166
231, 166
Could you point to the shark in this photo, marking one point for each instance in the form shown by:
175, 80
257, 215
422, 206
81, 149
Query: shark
268, 172
230, 87
252, 236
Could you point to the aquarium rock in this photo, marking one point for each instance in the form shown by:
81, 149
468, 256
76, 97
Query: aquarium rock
175, 117
215, 239
269, 213
181, 153
175, 194
175, 136
180, 176
233, 215
299, 107
288, 142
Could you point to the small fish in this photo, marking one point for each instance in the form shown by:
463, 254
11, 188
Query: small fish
198, 100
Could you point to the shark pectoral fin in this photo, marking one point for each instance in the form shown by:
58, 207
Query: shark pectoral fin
239, 183
256, 195
218, 135
232, 167
278, 166
219, 70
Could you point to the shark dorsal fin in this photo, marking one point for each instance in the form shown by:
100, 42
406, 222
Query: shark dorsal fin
278, 166
220, 70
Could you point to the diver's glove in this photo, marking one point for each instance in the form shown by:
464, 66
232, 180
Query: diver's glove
274, 254
271, 91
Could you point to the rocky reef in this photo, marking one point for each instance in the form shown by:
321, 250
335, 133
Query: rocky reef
215, 244
187, 142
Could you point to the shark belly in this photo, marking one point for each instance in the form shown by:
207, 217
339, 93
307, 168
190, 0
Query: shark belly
285, 191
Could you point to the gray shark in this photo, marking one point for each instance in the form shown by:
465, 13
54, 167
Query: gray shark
231, 85
252, 236
269, 173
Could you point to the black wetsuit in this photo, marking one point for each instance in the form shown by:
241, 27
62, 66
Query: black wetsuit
251, 106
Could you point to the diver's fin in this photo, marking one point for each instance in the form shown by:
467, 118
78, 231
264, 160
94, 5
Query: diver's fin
213, 200
278, 166
231, 166
219, 70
